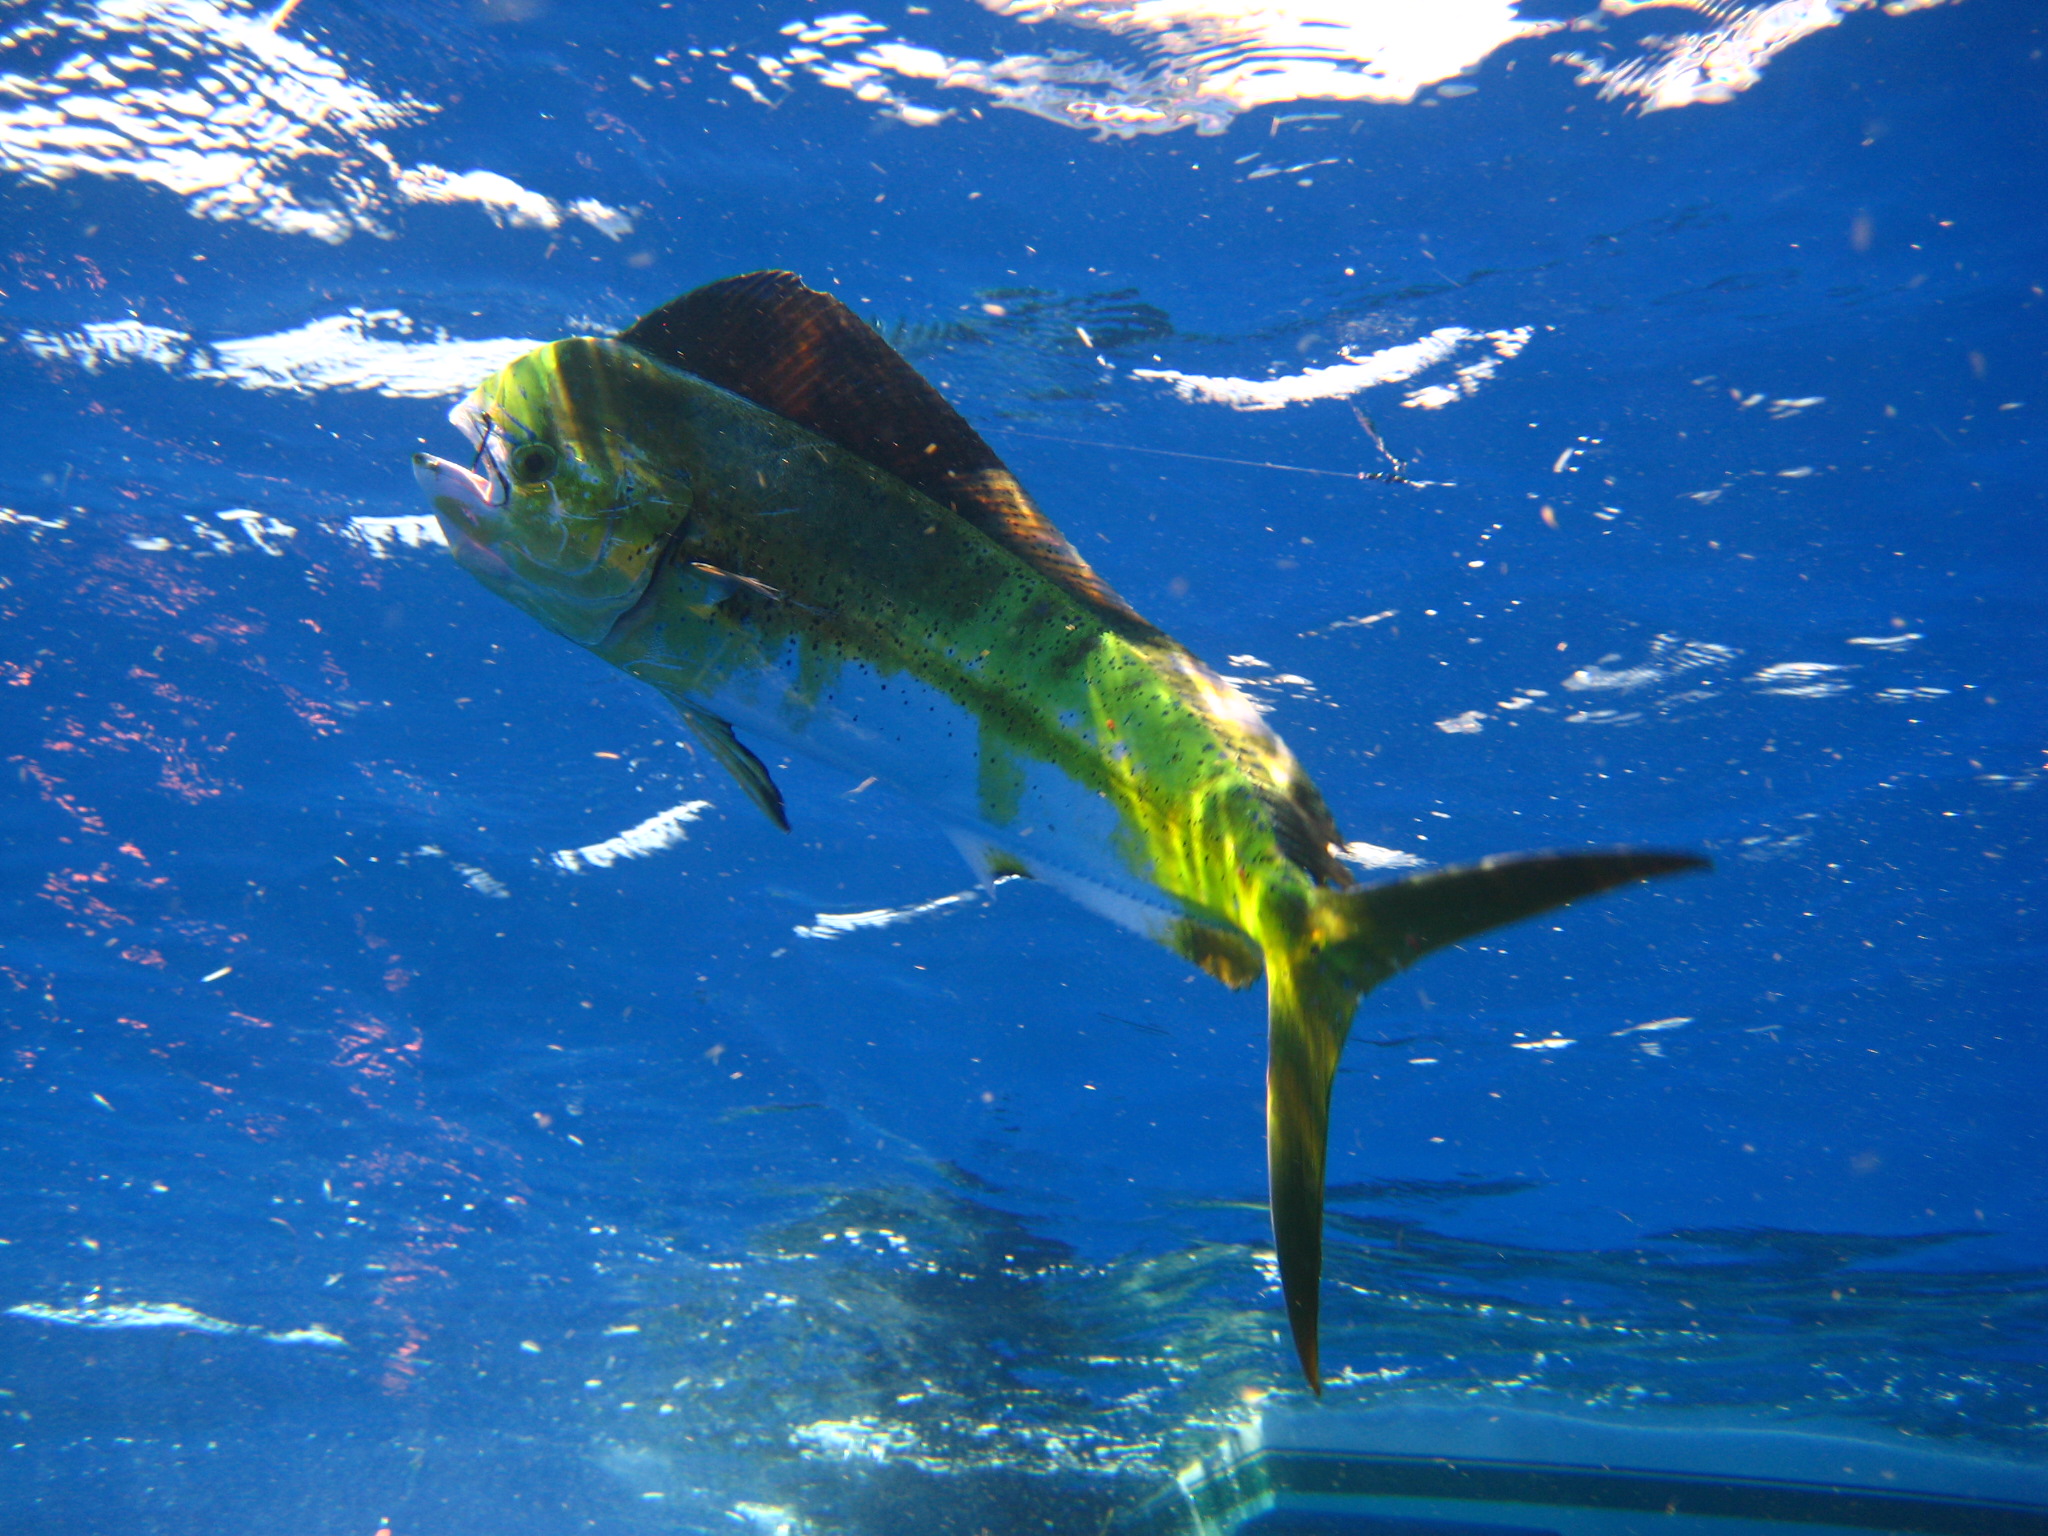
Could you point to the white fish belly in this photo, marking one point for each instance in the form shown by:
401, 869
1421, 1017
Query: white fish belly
927, 746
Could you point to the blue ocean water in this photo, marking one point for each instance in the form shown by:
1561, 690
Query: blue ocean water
436, 1100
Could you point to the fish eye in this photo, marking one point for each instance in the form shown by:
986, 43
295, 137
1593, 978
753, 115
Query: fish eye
533, 463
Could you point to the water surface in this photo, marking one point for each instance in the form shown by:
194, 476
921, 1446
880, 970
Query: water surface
434, 1096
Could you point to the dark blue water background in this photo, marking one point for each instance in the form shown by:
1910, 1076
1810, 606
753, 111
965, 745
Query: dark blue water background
958, 1223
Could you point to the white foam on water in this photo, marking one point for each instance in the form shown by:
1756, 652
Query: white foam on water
1722, 58
482, 881
170, 1314
375, 351
1372, 856
1670, 656
259, 528
833, 925
110, 342
1390, 365
1802, 679
380, 535
1467, 377
1339, 381
509, 204
864, 1439
477, 878
1655, 1026
371, 351
602, 217
217, 104
1201, 64
768, 1519
637, 842
36, 526
502, 198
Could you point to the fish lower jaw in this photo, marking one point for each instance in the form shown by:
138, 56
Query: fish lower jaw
462, 507
454, 491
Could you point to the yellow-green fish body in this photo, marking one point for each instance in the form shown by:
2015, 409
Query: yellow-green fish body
752, 504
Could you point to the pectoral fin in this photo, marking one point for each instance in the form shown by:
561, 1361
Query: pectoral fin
748, 770
726, 584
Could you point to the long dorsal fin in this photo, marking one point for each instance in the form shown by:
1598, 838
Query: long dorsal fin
805, 356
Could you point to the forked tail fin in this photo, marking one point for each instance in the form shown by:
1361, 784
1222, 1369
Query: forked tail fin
1353, 941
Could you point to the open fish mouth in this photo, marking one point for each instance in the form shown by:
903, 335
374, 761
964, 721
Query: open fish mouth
470, 493
463, 504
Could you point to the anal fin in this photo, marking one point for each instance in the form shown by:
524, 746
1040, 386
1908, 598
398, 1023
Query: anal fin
748, 771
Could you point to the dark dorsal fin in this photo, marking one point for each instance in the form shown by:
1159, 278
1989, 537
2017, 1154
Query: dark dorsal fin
805, 356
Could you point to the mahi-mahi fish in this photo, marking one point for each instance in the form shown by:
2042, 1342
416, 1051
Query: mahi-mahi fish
749, 501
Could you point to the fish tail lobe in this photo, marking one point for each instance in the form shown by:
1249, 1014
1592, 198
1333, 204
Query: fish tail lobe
1308, 1014
1322, 956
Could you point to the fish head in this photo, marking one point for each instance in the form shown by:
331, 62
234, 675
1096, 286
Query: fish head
561, 512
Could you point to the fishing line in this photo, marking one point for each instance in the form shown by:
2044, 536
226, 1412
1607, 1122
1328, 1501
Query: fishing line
1394, 477
1373, 432
483, 457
